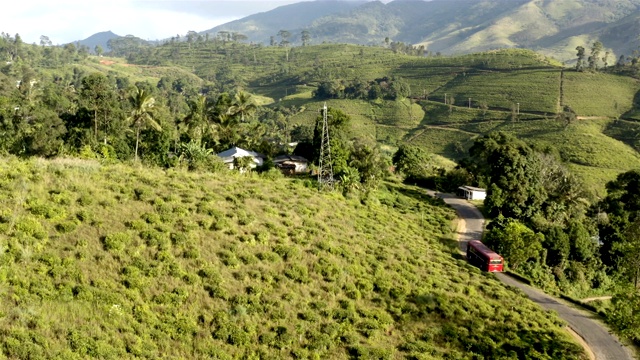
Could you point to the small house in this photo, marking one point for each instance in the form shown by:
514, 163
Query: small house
291, 164
472, 193
228, 156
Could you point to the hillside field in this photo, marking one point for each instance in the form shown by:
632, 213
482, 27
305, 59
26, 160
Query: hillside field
112, 261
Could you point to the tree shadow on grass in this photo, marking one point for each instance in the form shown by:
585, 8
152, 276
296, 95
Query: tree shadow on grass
452, 246
417, 194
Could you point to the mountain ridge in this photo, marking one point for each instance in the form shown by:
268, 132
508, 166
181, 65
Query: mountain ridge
466, 26
449, 27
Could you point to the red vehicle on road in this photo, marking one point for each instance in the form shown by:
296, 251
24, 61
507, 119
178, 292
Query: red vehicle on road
478, 254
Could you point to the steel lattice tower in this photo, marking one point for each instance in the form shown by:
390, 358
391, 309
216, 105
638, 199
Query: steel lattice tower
325, 170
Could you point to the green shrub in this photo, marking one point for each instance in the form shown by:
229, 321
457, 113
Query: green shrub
117, 242
66, 226
262, 237
220, 224
45, 210
62, 197
191, 252
30, 226
85, 199
84, 216
244, 218
287, 253
142, 194
297, 273
268, 256
151, 218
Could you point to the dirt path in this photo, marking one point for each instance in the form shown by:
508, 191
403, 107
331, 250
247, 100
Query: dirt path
600, 344
608, 297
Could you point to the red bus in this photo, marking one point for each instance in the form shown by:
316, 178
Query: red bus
478, 254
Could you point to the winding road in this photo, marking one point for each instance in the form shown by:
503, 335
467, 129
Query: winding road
602, 344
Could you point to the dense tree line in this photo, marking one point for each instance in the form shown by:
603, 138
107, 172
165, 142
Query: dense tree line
391, 88
72, 111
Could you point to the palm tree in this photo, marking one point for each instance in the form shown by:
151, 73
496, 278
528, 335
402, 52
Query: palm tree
197, 121
141, 114
242, 105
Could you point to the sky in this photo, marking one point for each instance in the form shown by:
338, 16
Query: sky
65, 21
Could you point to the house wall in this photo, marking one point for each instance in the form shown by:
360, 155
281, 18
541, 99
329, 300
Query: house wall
477, 195
301, 168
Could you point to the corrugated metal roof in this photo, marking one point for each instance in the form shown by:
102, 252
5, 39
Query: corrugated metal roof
236, 152
283, 158
472, 188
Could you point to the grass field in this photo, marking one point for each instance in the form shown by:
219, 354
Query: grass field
595, 94
113, 262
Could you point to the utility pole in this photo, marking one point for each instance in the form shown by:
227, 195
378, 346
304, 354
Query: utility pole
445, 98
325, 168
469, 103
518, 108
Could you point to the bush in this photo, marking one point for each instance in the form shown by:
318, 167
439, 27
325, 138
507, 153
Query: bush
298, 273
32, 227
117, 242
66, 226
45, 210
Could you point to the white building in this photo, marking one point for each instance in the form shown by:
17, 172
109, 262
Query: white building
292, 164
472, 193
228, 156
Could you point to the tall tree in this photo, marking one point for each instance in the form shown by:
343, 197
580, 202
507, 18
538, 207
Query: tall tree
629, 263
284, 37
197, 119
142, 114
243, 105
98, 94
581, 55
305, 36
513, 172
515, 241
617, 211
413, 161
596, 49
45, 41
238, 37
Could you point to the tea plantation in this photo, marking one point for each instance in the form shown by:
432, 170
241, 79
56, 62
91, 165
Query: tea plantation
113, 262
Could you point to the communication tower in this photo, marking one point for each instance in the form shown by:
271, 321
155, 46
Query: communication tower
325, 170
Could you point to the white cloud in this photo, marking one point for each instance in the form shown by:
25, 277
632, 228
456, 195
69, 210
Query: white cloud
69, 20
65, 21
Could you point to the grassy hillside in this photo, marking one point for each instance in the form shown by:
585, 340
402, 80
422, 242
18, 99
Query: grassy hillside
117, 262
594, 94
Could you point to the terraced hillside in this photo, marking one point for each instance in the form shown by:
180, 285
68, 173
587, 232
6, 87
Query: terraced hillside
113, 262
452, 99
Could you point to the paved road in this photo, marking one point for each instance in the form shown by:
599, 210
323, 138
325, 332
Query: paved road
604, 345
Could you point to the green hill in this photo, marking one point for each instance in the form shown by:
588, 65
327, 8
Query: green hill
113, 262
